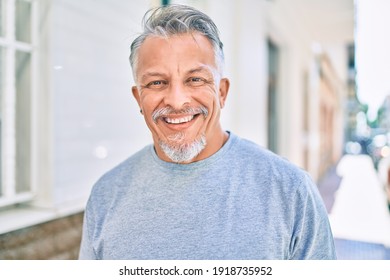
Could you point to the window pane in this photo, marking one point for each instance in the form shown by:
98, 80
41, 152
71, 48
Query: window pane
23, 127
1, 111
23, 21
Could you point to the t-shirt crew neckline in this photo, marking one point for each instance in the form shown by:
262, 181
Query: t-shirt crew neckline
198, 164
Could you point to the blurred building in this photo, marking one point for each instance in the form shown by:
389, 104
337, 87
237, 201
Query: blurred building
384, 115
67, 113
331, 92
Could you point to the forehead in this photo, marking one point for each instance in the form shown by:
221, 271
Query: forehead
179, 51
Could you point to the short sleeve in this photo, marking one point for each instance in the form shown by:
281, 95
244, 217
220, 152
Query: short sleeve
86, 249
312, 236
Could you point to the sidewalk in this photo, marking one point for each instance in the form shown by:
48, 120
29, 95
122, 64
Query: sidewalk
357, 209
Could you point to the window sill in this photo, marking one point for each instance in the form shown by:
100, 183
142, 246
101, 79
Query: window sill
26, 216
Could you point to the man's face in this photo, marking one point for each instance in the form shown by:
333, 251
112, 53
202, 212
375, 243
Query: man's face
180, 94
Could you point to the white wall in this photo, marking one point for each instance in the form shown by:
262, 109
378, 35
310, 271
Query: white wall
247, 66
95, 121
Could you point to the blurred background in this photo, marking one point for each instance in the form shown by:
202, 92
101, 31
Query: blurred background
309, 81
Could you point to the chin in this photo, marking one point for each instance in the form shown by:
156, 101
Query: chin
182, 151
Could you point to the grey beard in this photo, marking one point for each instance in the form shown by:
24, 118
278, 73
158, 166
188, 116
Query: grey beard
181, 153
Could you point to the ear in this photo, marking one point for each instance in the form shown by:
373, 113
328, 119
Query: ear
135, 92
224, 85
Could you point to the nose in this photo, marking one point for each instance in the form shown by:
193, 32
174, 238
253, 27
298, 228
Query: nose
177, 96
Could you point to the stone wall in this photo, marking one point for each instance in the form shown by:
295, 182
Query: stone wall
58, 239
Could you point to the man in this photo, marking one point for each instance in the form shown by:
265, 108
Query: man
199, 192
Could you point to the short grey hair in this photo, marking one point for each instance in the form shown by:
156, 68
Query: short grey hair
170, 20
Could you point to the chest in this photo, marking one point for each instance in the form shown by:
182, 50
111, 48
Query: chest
192, 222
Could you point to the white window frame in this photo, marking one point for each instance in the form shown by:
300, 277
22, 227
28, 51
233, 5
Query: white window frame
8, 42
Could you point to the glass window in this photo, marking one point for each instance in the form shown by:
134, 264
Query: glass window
23, 21
1, 109
22, 120
16, 53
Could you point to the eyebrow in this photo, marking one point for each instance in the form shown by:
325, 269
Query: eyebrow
152, 74
200, 69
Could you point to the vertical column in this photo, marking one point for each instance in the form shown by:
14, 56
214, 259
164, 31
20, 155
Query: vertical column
8, 145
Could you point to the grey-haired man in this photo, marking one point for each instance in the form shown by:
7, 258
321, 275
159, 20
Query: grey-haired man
199, 192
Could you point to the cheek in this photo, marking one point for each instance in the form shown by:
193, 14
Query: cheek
214, 101
149, 103
208, 97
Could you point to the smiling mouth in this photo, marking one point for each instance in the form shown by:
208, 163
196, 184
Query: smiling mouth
180, 120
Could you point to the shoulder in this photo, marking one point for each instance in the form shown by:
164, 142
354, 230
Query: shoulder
272, 168
281, 180
110, 183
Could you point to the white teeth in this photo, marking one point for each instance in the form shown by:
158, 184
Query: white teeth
179, 120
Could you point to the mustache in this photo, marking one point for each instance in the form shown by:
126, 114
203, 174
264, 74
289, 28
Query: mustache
186, 110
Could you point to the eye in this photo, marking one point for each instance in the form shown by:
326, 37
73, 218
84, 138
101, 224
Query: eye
196, 81
158, 84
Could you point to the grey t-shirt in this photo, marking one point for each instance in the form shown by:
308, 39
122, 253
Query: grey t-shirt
243, 202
